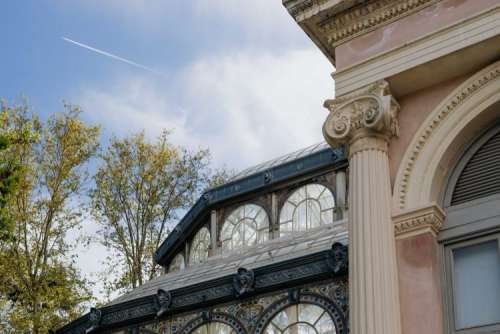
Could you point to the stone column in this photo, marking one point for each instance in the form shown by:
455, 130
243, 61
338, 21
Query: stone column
364, 121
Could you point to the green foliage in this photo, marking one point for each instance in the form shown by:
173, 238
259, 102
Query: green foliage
140, 189
40, 287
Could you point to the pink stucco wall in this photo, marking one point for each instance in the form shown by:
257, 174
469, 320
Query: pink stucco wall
409, 28
414, 110
420, 294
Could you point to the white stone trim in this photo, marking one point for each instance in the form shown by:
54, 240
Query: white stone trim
420, 176
417, 221
460, 35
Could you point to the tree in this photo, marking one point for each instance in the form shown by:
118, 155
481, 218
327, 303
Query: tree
8, 176
40, 287
140, 189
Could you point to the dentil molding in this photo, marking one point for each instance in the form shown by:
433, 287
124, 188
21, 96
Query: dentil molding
367, 17
416, 221
446, 110
346, 19
370, 111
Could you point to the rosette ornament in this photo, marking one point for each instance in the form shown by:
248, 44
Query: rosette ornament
369, 111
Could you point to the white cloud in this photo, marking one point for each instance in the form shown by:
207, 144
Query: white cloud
246, 107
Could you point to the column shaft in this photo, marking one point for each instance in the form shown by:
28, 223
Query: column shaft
374, 300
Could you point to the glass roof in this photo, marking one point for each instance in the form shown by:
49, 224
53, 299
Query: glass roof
281, 160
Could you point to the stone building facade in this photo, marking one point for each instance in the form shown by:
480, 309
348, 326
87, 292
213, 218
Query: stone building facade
393, 227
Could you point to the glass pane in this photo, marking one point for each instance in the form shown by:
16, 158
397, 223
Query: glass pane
245, 221
326, 200
201, 330
281, 320
286, 212
309, 313
271, 329
219, 328
251, 210
199, 246
300, 329
327, 217
177, 263
314, 190
477, 285
313, 214
227, 230
302, 319
325, 325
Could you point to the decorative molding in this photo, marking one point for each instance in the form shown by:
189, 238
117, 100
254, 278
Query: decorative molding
243, 282
367, 17
369, 110
418, 221
285, 274
435, 120
422, 50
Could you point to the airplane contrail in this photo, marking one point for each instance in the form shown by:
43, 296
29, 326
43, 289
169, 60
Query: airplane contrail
110, 55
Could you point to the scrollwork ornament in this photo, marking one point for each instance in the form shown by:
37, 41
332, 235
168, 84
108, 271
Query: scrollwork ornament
243, 281
163, 301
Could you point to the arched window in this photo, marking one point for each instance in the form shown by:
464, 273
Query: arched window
247, 225
301, 319
178, 263
471, 239
214, 327
308, 207
199, 246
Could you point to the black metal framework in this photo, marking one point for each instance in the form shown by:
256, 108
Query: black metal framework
325, 159
242, 284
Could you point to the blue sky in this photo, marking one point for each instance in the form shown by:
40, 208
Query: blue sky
238, 77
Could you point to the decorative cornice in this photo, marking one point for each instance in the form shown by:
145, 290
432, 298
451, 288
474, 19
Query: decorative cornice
459, 97
417, 221
369, 110
367, 17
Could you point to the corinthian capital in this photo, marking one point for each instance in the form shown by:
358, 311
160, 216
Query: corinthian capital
370, 110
